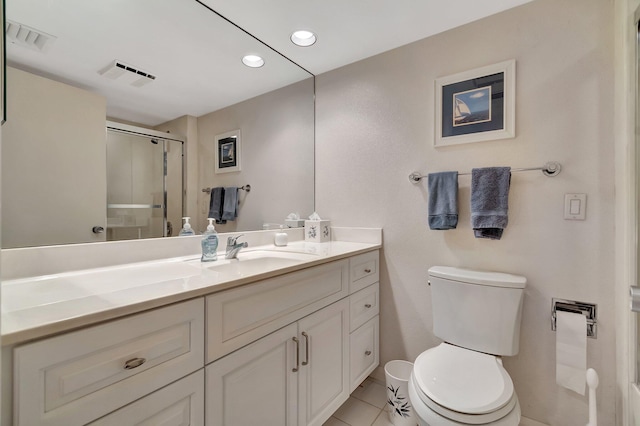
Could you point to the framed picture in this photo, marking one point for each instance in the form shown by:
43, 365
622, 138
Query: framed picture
476, 105
227, 147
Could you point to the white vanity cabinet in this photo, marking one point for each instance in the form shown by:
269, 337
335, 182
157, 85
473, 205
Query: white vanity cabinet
304, 370
298, 375
286, 350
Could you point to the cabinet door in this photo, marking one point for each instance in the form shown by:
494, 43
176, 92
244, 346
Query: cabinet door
255, 385
324, 364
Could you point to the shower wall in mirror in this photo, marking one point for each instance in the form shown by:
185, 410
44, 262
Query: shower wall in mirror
144, 185
189, 80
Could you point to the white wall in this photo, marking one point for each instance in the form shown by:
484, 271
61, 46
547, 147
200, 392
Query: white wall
276, 159
375, 126
626, 204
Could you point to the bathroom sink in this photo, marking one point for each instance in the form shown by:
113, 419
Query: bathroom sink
253, 263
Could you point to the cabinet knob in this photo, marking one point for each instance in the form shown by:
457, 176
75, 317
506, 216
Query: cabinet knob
368, 271
368, 305
367, 353
134, 363
97, 229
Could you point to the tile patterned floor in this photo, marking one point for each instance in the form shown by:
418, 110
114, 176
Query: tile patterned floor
365, 407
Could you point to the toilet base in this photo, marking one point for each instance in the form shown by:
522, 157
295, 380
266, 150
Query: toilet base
427, 417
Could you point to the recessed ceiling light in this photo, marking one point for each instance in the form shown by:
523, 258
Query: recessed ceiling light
253, 61
303, 38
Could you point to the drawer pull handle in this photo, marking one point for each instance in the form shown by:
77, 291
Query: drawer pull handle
367, 353
368, 270
368, 305
295, 369
134, 363
306, 347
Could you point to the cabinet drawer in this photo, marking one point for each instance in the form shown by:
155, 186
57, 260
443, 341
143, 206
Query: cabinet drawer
364, 305
364, 351
179, 404
364, 270
80, 376
240, 316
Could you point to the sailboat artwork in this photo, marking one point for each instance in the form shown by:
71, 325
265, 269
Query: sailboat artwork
472, 106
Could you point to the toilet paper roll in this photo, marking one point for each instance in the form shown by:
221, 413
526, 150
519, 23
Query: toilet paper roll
571, 351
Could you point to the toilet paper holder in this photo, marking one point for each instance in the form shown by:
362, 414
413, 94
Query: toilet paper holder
587, 309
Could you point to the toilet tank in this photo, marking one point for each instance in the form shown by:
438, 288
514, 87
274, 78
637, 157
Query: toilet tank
477, 310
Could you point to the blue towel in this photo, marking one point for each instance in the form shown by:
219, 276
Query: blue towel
215, 204
230, 206
443, 200
490, 201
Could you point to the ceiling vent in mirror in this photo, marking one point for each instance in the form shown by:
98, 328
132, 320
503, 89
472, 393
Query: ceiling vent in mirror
118, 70
28, 37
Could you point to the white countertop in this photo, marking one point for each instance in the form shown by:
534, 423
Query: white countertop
40, 306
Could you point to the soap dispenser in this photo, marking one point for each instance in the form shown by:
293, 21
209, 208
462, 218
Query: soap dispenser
210, 243
281, 238
186, 228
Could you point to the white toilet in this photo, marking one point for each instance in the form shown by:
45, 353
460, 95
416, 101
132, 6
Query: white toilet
462, 381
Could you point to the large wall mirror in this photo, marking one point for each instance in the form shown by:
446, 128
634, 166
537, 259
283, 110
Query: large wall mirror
170, 67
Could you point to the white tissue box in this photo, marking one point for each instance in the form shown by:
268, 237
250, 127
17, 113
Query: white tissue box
317, 231
294, 223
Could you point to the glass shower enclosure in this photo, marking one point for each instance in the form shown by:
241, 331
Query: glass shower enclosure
145, 183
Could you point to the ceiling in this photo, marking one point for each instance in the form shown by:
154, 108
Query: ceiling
196, 55
349, 31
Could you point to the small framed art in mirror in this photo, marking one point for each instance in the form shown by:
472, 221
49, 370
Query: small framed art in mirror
228, 151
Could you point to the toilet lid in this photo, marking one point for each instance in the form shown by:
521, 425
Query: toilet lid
463, 380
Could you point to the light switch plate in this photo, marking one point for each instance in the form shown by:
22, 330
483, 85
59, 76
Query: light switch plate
575, 206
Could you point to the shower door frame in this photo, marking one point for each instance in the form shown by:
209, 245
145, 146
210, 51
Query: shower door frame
155, 134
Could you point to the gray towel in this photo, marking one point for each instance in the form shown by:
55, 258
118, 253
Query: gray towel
443, 200
490, 201
230, 207
215, 204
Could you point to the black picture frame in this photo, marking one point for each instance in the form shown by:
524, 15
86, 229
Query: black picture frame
227, 152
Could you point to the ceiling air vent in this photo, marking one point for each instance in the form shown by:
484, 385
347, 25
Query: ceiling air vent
117, 70
28, 37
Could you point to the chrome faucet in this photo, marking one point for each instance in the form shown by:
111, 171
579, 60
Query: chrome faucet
233, 247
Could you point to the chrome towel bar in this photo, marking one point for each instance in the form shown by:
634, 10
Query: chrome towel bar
550, 168
246, 187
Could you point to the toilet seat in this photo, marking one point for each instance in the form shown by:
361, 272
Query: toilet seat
463, 385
